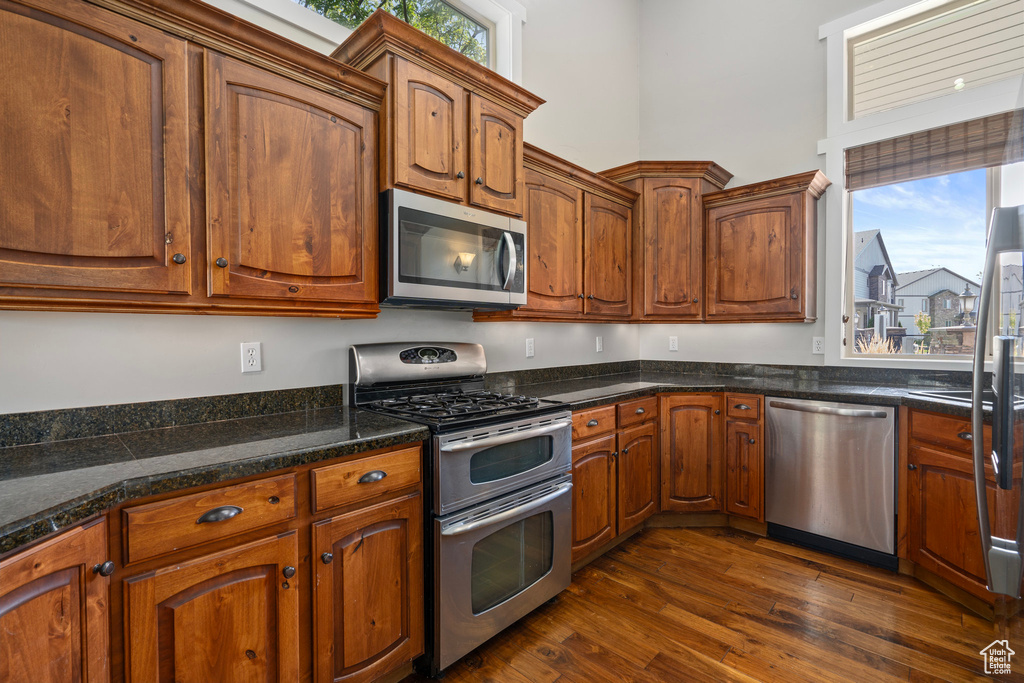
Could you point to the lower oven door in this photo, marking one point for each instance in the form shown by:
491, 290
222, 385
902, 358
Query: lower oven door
477, 465
497, 562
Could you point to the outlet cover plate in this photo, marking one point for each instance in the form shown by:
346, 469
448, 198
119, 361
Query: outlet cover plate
529, 347
818, 346
252, 357
673, 343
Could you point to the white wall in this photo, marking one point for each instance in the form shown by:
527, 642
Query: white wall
581, 56
743, 84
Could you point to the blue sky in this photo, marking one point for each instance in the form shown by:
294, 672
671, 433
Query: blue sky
928, 223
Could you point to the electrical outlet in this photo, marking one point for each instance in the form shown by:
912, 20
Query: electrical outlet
252, 357
529, 347
818, 346
599, 344
673, 343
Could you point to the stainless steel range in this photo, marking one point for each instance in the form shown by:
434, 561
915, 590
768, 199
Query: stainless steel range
499, 488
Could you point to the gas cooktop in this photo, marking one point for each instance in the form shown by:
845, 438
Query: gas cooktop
456, 405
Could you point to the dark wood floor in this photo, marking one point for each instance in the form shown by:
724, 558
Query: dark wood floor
723, 605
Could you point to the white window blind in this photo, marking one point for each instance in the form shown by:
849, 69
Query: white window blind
961, 44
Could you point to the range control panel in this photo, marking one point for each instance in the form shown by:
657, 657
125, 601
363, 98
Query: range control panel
424, 355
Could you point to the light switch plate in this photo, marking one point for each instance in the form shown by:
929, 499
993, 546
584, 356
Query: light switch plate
599, 344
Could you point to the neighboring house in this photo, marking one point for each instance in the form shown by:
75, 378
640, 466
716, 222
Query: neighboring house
874, 283
935, 291
1011, 291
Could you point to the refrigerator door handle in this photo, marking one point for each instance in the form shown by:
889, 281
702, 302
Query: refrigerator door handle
1004, 566
1002, 410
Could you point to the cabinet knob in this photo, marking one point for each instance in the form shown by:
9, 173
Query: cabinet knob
105, 569
288, 572
178, 258
694, 299
592, 423
751, 441
590, 296
460, 175
479, 181
221, 262
327, 558
580, 295
371, 477
718, 412
615, 453
794, 295
911, 466
625, 451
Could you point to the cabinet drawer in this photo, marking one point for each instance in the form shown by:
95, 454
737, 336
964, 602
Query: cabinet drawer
743, 406
168, 525
638, 412
944, 430
592, 422
365, 478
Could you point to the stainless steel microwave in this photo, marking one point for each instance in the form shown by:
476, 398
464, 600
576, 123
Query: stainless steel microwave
439, 254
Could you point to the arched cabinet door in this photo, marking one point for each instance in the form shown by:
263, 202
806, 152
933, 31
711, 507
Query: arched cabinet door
593, 495
554, 218
607, 275
496, 171
93, 152
291, 189
692, 432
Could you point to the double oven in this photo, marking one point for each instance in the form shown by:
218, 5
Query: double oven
498, 490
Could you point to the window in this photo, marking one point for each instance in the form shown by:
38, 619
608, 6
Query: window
901, 302
921, 173
442, 20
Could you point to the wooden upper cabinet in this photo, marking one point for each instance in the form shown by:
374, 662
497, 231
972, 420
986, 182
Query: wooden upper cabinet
761, 250
368, 596
53, 610
291, 189
496, 152
449, 122
429, 148
691, 452
93, 152
554, 221
230, 617
606, 261
668, 235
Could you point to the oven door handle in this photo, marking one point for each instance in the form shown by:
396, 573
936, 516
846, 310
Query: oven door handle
505, 438
459, 529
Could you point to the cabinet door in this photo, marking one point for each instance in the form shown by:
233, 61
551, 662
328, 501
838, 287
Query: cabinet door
228, 617
673, 247
593, 495
606, 274
430, 127
691, 453
496, 156
93, 152
368, 597
638, 475
53, 610
744, 470
291, 186
756, 258
554, 220
942, 526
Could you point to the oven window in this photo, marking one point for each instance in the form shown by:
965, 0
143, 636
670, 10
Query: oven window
509, 459
511, 560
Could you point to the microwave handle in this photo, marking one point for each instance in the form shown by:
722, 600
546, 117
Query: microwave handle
510, 246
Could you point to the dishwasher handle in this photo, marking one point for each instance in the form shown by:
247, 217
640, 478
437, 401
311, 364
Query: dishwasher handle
828, 410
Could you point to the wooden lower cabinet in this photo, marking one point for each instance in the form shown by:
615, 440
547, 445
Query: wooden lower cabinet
692, 434
229, 617
744, 469
637, 475
593, 495
53, 610
368, 591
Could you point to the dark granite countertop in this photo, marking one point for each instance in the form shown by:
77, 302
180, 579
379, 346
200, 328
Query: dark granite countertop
49, 486
52, 485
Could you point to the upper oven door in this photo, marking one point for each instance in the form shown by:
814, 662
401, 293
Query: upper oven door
478, 464
445, 252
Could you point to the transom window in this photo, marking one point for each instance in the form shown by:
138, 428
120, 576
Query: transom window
437, 18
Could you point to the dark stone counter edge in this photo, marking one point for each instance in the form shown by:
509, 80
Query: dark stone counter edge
72, 512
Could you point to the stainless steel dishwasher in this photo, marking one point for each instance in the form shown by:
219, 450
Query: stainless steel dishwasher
830, 471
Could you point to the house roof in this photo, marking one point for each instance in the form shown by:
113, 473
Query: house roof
911, 276
862, 239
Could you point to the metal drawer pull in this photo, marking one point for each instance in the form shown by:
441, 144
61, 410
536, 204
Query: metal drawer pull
741, 406
640, 411
966, 436
592, 423
220, 514
371, 477
459, 529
